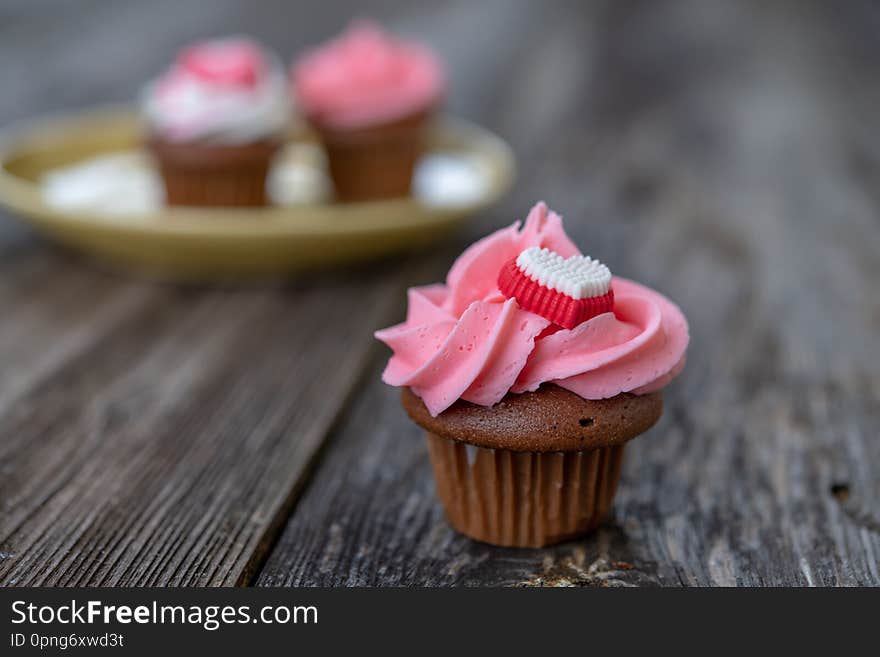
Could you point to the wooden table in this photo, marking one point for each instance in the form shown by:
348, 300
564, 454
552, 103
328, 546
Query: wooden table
727, 154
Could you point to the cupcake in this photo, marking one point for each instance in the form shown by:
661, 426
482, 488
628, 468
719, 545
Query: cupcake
215, 119
368, 96
529, 370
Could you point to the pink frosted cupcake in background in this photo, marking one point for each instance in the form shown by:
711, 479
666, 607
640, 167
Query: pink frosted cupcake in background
369, 95
215, 119
529, 370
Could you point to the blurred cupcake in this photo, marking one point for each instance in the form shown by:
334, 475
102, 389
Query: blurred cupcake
369, 95
215, 119
529, 370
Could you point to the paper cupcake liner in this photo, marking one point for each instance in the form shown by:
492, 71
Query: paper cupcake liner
235, 189
523, 499
207, 175
374, 163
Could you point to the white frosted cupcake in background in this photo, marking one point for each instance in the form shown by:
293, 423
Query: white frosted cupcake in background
215, 119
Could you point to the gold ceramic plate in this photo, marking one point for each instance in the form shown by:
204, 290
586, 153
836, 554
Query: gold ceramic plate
198, 243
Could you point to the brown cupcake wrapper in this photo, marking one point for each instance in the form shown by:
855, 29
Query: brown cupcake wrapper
209, 175
232, 189
374, 163
523, 499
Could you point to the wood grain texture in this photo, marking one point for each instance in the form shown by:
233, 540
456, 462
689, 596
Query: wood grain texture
725, 154
164, 449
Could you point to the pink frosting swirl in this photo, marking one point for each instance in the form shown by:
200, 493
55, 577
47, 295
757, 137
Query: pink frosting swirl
366, 77
465, 340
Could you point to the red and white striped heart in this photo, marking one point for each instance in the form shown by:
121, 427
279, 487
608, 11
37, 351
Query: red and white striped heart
567, 291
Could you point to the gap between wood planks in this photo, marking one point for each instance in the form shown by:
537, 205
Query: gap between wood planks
416, 269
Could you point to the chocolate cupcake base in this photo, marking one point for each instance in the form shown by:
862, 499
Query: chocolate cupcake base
535, 469
204, 174
376, 162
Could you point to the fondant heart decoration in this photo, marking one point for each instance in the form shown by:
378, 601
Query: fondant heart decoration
567, 291
232, 62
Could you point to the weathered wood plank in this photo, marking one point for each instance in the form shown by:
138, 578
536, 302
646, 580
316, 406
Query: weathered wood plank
715, 151
165, 452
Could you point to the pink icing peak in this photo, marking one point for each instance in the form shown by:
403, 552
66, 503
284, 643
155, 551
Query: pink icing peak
366, 76
466, 340
235, 62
